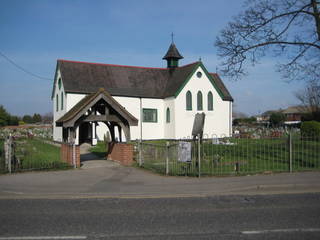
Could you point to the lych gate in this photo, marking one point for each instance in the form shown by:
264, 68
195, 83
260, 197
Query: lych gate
96, 107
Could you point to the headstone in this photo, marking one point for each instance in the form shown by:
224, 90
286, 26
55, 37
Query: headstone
215, 141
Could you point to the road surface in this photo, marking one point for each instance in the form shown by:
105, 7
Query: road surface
290, 216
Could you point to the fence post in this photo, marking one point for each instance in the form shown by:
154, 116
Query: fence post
74, 154
167, 158
8, 152
290, 152
199, 155
140, 153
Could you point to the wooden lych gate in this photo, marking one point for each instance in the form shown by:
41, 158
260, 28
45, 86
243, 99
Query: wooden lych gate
96, 107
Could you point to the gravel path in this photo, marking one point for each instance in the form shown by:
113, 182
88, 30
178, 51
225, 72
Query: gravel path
90, 160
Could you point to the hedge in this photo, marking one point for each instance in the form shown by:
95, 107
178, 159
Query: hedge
310, 129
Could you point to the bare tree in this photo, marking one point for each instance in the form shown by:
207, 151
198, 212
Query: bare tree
310, 99
286, 29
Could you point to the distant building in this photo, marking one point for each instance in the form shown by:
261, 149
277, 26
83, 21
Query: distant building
293, 114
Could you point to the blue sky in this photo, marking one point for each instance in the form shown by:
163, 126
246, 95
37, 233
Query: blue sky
35, 33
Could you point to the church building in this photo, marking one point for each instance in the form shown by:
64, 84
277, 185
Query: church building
161, 103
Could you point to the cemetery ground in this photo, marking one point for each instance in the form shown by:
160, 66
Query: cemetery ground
34, 154
234, 156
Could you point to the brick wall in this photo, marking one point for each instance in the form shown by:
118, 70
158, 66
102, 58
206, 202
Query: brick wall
121, 152
66, 154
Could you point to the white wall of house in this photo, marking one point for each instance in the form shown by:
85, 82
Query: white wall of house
216, 122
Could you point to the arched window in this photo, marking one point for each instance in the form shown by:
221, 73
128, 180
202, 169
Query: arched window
199, 101
57, 103
168, 115
189, 101
210, 101
62, 101
59, 83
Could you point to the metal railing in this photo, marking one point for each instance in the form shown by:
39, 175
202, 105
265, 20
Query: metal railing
231, 156
25, 154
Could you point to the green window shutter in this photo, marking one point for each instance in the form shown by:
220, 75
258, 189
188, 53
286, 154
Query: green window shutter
210, 101
199, 101
150, 115
168, 115
57, 103
188, 101
62, 101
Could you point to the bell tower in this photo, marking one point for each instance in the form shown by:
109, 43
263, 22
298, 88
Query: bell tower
172, 56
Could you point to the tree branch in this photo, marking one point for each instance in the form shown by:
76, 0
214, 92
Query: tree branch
281, 42
316, 16
284, 15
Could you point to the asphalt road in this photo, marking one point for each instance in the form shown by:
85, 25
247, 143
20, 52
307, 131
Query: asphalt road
292, 216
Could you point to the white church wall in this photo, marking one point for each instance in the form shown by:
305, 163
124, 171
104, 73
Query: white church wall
72, 99
101, 130
150, 130
58, 112
154, 130
169, 127
216, 122
132, 105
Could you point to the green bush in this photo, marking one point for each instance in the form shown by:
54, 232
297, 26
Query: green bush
310, 129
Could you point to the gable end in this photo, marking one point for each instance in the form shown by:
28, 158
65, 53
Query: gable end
55, 80
209, 76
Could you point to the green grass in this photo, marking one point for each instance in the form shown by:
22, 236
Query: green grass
245, 156
100, 149
35, 154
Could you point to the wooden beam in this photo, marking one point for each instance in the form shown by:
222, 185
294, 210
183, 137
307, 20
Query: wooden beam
102, 118
126, 130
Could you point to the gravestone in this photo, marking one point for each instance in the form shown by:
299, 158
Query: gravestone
198, 125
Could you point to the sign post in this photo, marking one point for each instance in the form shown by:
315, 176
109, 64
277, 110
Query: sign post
197, 132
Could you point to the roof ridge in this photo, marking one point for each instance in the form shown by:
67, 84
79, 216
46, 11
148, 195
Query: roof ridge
113, 65
187, 65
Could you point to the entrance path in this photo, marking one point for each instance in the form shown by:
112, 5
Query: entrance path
90, 160
119, 181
